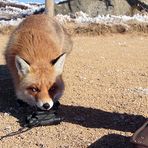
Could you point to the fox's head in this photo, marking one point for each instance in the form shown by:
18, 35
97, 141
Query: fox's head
40, 84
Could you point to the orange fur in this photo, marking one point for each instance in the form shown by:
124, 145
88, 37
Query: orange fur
38, 40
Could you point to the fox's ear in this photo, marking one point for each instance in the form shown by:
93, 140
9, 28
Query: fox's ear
58, 64
22, 66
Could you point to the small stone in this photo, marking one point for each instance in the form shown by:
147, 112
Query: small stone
40, 145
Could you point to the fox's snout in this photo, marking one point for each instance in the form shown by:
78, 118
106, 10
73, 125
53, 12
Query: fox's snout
45, 105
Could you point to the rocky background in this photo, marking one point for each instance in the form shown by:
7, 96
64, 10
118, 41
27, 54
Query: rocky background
103, 7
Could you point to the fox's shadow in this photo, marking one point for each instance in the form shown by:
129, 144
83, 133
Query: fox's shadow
8, 103
87, 117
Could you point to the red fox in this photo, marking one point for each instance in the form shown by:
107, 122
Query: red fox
35, 57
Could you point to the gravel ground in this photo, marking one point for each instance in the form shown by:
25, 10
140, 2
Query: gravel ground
105, 100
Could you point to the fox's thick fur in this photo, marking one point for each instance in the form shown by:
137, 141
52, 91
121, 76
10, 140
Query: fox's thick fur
35, 56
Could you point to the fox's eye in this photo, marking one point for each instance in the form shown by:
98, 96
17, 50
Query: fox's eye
33, 89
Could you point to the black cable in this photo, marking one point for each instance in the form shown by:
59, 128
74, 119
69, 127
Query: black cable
20, 131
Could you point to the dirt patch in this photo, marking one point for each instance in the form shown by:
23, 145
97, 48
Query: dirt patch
99, 105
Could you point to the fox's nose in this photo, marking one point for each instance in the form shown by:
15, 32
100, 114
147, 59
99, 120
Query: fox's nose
46, 105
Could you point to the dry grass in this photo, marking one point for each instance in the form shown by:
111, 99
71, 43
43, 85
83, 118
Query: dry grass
95, 29
101, 29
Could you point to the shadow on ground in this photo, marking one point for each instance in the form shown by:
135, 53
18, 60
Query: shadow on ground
96, 118
112, 141
87, 117
8, 103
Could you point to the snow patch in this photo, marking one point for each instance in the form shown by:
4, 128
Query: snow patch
83, 18
11, 22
